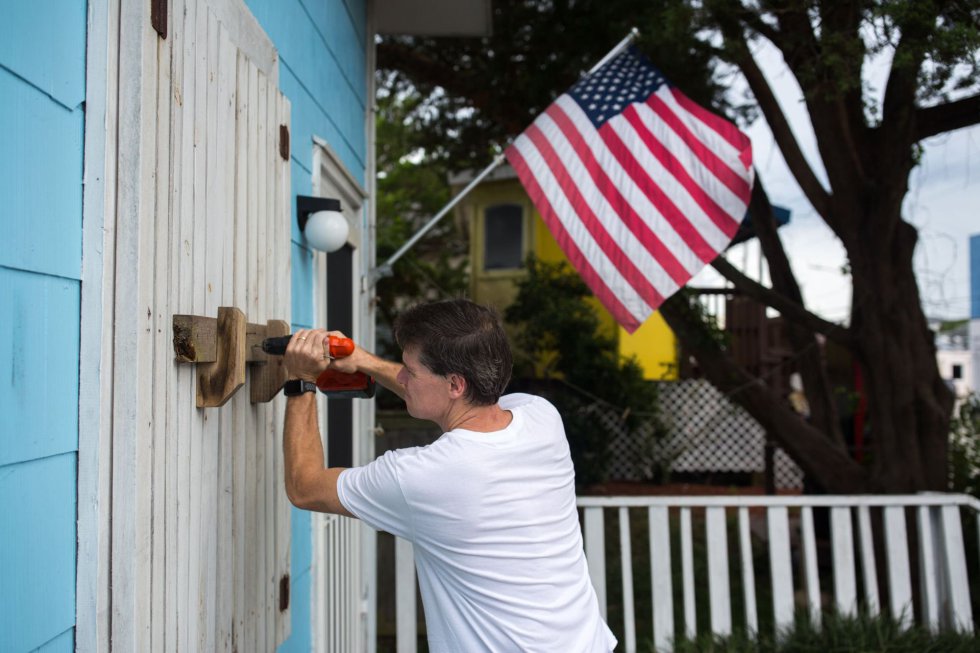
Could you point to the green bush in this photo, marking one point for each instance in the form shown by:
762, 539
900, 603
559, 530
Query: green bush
837, 634
559, 338
964, 447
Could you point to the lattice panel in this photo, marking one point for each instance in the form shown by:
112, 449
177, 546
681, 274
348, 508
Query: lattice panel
707, 433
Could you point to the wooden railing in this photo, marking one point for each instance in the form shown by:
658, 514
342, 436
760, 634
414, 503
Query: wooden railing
787, 524
696, 563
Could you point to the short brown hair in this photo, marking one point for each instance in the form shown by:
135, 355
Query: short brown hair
457, 336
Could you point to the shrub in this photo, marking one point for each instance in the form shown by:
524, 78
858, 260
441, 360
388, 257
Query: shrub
837, 634
560, 338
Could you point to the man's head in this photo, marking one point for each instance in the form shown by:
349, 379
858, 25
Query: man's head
459, 337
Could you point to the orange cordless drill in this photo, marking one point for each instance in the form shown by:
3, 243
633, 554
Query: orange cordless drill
331, 382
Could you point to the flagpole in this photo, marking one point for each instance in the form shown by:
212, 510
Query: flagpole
385, 269
622, 45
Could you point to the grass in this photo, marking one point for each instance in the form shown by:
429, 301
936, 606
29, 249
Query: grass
837, 634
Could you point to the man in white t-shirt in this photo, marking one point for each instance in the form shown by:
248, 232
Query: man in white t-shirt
489, 507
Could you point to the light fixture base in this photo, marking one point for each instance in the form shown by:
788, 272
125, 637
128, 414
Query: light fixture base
307, 205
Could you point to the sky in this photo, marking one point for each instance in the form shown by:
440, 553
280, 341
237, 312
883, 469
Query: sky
943, 202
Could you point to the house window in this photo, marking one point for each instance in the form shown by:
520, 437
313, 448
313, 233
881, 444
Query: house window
957, 371
503, 237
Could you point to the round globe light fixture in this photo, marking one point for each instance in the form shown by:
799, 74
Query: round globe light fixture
323, 225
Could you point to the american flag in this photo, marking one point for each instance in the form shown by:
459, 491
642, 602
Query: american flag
640, 186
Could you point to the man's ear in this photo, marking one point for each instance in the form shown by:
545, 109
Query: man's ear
457, 386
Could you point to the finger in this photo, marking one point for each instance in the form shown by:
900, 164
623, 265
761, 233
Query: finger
299, 340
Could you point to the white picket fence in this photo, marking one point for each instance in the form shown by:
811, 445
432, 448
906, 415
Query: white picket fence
785, 526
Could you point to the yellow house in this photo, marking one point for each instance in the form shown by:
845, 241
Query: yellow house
504, 228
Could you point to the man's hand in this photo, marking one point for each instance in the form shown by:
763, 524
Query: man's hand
307, 354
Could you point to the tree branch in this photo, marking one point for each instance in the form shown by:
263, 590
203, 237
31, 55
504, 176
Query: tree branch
786, 307
819, 456
947, 117
903, 82
781, 130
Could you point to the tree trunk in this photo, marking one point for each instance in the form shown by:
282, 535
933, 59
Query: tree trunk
909, 405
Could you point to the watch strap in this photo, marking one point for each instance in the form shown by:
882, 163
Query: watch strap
296, 387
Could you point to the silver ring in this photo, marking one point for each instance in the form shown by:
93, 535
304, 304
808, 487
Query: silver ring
302, 337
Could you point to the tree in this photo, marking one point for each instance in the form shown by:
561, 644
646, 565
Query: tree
411, 188
488, 89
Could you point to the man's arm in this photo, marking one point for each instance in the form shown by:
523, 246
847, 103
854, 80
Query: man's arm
384, 371
308, 485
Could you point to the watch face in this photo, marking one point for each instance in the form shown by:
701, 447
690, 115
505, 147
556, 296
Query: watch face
295, 387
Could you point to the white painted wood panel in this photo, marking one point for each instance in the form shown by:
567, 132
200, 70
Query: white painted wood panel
928, 569
661, 579
955, 571
842, 547
595, 553
626, 565
897, 559
811, 576
687, 575
195, 521
780, 568
718, 584
405, 615
869, 573
748, 571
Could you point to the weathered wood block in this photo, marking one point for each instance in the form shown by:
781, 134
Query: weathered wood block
268, 372
218, 381
224, 347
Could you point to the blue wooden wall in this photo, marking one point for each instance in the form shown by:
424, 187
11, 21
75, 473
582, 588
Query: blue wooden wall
321, 46
42, 89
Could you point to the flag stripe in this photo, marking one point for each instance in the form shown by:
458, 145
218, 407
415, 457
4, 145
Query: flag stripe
726, 225
679, 200
725, 129
687, 141
649, 213
565, 218
621, 253
707, 134
618, 206
591, 277
619, 136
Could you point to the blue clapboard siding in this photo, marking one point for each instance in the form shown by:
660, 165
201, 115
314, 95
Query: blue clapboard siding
63, 643
37, 550
42, 91
43, 42
40, 180
322, 72
39, 360
321, 46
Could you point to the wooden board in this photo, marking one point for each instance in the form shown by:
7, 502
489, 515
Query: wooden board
195, 520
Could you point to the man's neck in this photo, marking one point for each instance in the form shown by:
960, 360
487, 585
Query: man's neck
481, 419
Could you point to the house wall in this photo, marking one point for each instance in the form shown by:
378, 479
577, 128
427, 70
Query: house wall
322, 70
42, 86
653, 344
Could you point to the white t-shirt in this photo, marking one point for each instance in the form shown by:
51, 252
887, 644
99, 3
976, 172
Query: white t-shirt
495, 529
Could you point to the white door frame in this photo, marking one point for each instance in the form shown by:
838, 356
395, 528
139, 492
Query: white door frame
332, 179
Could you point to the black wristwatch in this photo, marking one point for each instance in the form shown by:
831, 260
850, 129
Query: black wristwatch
296, 387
